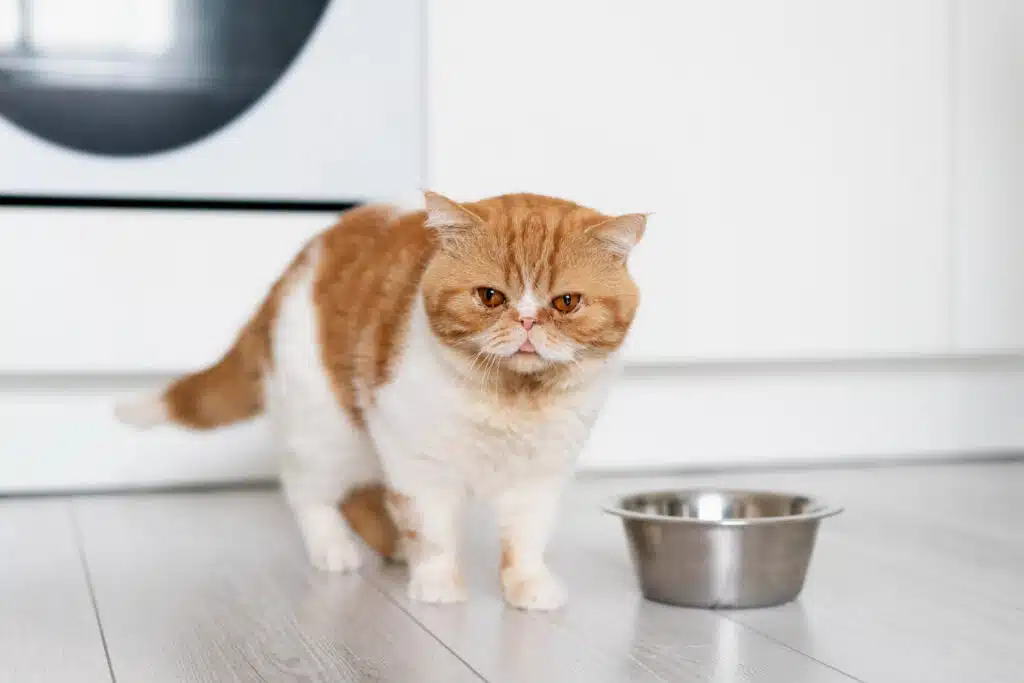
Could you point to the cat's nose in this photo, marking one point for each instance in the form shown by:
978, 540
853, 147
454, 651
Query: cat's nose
527, 322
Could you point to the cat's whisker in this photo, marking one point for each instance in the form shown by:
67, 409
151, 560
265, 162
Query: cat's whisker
489, 371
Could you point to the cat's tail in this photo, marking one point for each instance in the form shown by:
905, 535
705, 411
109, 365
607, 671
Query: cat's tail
229, 391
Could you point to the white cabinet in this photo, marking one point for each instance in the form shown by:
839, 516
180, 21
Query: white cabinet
830, 178
796, 154
989, 199
105, 291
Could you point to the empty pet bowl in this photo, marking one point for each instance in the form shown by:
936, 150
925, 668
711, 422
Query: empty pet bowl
721, 548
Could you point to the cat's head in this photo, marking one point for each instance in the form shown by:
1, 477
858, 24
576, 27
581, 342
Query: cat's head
530, 283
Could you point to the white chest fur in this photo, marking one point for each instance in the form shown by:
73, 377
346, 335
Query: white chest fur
429, 423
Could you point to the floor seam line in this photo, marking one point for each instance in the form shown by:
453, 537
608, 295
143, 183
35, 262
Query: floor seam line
84, 561
789, 647
387, 596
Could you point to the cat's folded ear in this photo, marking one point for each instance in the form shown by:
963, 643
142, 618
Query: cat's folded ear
620, 234
451, 220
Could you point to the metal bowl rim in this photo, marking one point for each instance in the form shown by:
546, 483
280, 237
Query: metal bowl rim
822, 510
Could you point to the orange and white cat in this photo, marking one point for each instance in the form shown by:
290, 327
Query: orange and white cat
409, 359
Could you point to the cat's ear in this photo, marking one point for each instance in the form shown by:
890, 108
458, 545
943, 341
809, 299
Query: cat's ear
451, 220
620, 234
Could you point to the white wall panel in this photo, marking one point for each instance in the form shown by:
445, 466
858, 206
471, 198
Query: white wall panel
989, 143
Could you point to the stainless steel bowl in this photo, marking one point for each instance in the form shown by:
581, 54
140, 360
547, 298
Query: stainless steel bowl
721, 548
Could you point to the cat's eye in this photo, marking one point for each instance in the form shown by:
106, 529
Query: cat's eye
566, 303
490, 297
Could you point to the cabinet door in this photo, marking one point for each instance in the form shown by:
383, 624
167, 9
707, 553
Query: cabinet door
106, 291
795, 153
989, 86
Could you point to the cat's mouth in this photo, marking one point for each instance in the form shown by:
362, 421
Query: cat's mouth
536, 351
531, 357
527, 354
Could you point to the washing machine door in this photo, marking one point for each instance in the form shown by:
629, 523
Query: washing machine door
290, 99
140, 77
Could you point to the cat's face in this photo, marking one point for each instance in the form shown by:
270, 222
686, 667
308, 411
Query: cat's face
528, 283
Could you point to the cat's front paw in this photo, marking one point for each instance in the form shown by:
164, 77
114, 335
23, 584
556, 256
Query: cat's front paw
437, 584
540, 591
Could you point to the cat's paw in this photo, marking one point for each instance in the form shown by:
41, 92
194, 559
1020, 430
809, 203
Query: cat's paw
334, 552
436, 584
540, 591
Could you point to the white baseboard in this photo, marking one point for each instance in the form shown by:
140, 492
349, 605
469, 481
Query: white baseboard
58, 434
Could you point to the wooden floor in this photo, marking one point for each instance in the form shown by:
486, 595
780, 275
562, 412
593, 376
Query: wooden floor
920, 580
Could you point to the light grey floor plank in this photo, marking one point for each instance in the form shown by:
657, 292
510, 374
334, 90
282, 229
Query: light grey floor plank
48, 630
607, 633
920, 580
901, 588
216, 587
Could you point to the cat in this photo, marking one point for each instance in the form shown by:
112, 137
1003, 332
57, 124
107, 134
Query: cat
407, 359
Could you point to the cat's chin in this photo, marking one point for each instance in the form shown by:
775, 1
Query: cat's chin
527, 363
